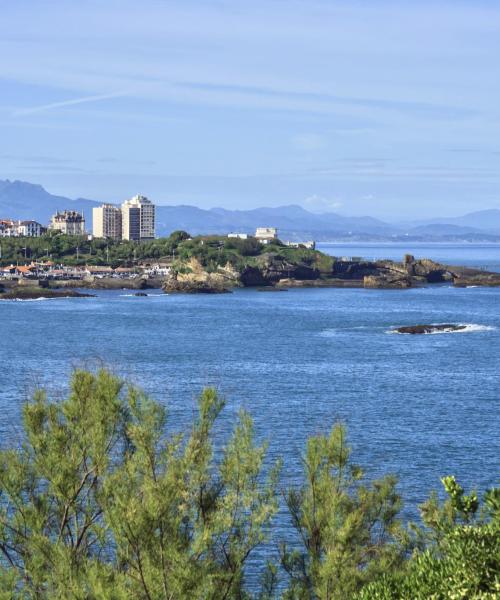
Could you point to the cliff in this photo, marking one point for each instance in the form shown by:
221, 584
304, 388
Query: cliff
193, 277
283, 269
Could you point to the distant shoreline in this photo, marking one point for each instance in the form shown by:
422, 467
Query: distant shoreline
408, 243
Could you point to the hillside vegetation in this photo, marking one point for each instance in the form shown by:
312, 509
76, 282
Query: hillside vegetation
210, 251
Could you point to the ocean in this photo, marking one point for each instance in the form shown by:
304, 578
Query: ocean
417, 406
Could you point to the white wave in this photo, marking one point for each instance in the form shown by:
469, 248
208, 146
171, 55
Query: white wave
474, 327
328, 332
137, 295
342, 330
467, 328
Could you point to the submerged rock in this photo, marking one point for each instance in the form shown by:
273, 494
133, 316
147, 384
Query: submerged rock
420, 329
173, 286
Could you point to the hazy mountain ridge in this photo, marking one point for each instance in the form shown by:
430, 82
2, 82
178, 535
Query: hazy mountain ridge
23, 200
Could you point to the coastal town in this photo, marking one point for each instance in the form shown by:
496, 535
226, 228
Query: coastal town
133, 221
122, 251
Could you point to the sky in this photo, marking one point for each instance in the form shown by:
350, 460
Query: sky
382, 108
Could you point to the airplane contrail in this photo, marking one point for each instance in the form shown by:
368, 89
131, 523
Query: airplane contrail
82, 100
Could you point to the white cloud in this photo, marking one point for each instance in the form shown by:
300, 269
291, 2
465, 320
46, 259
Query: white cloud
320, 204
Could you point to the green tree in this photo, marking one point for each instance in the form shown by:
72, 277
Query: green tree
100, 503
458, 555
349, 531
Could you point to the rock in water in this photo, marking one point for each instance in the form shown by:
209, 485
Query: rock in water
443, 327
36, 293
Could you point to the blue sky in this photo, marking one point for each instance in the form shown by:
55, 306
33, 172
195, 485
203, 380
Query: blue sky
384, 108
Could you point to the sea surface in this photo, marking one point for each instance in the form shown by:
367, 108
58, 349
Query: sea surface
418, 406
483, 256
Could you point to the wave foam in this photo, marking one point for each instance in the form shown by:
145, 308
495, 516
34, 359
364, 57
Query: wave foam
475, 327
27, 299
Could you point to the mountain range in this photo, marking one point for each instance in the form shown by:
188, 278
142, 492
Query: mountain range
23, 200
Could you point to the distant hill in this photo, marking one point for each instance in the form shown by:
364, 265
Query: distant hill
442, 229
482, 220
23, 200
293, 221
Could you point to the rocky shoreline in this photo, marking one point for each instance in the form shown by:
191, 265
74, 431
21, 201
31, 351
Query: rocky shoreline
36, 293
273, 271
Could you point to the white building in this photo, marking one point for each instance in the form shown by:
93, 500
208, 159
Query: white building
309, 245
240, 236
9, 228
138, 219
157, 270
30, 229
107, 222
70, 222
266, 234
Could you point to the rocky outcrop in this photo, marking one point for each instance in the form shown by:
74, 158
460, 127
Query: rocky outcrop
482, 279
275, 270
35, 293
328, 282
357, 270
195, 279
422, 329
270, 269
253, 277
274, 267
173, 286
386, 281
430, 271
110, 283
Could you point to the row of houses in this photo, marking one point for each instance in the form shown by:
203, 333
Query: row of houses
10, 228
49, 270
70, 222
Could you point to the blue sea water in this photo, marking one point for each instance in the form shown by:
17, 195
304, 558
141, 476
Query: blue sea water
417, 406
484, 256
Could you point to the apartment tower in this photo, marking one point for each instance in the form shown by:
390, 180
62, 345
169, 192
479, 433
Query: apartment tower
138, 219
107, 222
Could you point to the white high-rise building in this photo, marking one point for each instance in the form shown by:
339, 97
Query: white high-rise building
107, 222
138, 219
